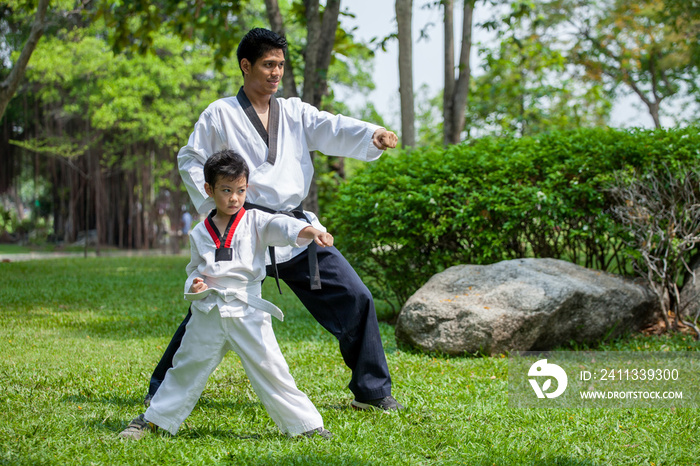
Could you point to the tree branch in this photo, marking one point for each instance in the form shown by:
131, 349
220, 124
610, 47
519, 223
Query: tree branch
9, 86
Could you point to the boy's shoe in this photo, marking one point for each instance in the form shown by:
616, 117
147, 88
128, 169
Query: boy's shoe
138, 428
388, 403
326, 434
147, 400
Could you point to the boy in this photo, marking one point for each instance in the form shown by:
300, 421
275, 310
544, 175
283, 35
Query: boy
224, 282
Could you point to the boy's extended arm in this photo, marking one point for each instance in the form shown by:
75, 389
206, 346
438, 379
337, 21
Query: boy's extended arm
322, 238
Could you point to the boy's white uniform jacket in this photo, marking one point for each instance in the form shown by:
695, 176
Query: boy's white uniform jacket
280, 165
234, 286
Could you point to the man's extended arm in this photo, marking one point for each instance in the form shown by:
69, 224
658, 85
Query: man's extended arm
339, 135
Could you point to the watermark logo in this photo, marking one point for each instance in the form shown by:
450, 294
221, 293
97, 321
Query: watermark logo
544, 369
604, 379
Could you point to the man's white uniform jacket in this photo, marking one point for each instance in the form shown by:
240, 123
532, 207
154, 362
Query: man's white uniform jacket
280, 165
234, 286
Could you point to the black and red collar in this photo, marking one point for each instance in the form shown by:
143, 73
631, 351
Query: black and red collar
230, 228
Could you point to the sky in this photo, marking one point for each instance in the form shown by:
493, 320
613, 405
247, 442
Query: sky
376, 18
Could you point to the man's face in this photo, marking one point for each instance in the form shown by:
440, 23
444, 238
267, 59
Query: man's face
265, 75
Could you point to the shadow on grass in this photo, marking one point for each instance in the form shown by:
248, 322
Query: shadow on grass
334, 406
129, 401
563, 461
299, 459
127, 328
113, 426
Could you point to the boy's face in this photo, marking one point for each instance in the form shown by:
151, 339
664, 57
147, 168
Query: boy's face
228, 194
265, 74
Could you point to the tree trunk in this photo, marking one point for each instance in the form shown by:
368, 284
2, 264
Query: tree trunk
9, 86
654, 112
8, 159
329, 26
449, 71
320, 40
313, 36
289, 87
404, 15
456, 90
461, 91
131, 212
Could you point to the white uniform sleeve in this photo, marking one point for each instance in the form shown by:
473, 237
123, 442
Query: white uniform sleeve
280, 230
339, 135
205, 140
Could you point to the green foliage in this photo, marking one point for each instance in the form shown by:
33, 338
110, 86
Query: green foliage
527, 88
139, 99
84, 105
136, 25
29, 230
116, 121
8, 222
647, 48
412, 214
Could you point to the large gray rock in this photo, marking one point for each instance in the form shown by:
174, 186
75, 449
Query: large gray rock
520, 305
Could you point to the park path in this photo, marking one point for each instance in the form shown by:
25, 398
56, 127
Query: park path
20, 257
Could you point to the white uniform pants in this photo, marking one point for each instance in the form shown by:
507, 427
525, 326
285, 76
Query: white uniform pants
207, 339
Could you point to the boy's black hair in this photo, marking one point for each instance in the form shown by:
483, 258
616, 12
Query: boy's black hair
226, 164
257, 42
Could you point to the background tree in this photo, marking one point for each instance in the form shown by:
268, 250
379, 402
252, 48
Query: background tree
219, 24
456, 90
527, 84
93, 143
9, 85
631, 46
106, 129
321, 27
526, 88
404, 17
22, 24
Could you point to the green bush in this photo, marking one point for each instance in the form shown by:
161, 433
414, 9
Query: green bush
412, 214
29, 230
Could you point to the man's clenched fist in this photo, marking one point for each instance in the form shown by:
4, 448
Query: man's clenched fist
384, 139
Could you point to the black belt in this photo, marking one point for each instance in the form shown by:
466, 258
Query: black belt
297, 212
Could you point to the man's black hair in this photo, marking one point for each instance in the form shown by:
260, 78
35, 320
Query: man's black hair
226, 164
257, 42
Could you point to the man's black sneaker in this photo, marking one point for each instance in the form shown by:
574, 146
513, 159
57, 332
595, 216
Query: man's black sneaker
388, 403
147, 400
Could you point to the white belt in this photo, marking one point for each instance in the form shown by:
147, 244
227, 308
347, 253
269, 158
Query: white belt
246, 293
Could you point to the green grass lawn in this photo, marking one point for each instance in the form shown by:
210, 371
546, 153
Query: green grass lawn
80, 337
13, 249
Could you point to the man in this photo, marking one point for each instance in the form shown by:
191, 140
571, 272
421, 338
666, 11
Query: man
275, 137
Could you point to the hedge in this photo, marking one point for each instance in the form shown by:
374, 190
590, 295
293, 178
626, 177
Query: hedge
412, 214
